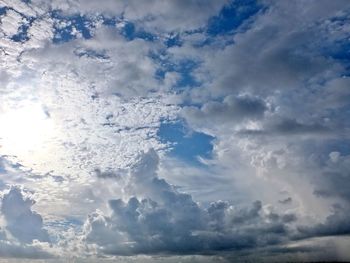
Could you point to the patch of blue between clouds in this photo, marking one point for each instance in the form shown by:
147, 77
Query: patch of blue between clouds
65, 224
81, 23
232, 16
184, 68
2, 10
173, 40
130, 32
340, 51
186, 145
109, 21
22, 33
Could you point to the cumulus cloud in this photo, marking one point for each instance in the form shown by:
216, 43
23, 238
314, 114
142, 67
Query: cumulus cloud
162, 220
24, 224
281, 64
294, 67
22, 235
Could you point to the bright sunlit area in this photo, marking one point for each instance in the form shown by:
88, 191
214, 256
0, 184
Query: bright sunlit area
25, 129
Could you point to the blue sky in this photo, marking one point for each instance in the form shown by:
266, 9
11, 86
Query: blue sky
174, 131
186, 145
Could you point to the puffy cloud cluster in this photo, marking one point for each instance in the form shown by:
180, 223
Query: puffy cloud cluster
22, 234
24, 224
284, 62
158, 219
291, 57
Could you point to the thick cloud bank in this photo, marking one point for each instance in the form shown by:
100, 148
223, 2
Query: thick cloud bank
162, 220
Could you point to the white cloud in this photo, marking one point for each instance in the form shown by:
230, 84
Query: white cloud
11, 22
21, 234
272, 93
153, 15
23, 224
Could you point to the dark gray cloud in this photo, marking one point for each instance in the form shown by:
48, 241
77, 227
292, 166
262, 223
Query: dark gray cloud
286, 201
335, 94
170, 222
166, 221
106, 174
336, 224
333, 180
287, 127
232, 110
334, 184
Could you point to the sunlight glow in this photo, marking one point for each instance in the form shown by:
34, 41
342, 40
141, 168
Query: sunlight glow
25, 129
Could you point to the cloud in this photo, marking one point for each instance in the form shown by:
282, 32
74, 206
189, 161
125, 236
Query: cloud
11, 22
335, 94
287, 127
281, 64
22, 251
113, 78
286, 201
334, 178
231, 111
22, 234
164, 221
271, 91
335, 224
297, 67
24, 224
154, 16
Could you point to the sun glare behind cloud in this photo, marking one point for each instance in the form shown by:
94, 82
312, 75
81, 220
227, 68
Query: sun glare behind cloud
24, 130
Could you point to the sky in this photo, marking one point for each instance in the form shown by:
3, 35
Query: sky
174, 131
